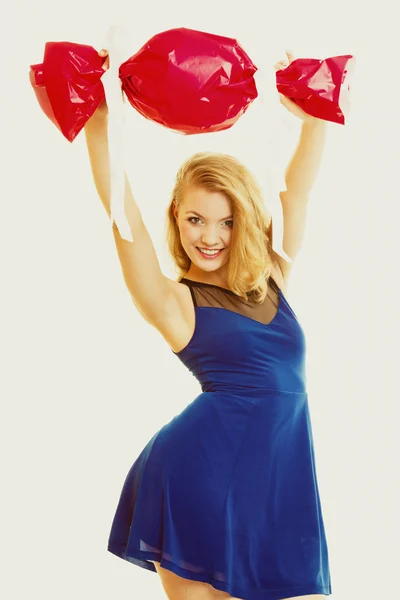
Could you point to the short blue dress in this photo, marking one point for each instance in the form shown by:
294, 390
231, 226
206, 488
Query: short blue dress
226, 492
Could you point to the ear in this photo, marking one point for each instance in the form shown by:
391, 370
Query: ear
175, 211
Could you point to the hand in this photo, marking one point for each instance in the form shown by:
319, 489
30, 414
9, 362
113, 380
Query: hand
287, 102
106, 64
102, 110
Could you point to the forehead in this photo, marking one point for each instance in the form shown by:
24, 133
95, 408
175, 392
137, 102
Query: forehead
200, 199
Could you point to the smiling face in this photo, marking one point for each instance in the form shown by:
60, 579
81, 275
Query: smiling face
205, 222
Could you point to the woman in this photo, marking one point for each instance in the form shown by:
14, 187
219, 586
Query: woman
223, 501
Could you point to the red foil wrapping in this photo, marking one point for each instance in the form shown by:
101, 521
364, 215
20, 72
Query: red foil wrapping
320, 87
187, 80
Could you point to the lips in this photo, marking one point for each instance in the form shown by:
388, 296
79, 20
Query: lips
213, 255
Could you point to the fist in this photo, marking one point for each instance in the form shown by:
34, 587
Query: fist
102, 109
289, 104
106, 64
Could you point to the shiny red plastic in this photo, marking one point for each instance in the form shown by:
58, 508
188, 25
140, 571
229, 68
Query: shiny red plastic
187, 80
68, 85
319, 87
190, 81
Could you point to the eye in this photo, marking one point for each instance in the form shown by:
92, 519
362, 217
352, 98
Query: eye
198, 218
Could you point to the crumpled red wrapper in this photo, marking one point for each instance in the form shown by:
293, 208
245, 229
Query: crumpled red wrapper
187, 80
320, 87
68, 85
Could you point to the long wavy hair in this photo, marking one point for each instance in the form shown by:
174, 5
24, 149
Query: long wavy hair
250, 253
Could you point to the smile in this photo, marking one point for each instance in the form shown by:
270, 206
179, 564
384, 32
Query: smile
209, 253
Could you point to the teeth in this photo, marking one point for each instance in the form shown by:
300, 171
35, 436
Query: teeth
209, 251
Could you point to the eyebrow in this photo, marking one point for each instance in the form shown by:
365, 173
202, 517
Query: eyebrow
199, 215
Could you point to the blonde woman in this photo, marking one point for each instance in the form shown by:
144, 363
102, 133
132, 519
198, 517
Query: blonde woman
223, 501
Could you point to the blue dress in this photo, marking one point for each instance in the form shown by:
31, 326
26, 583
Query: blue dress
226, 492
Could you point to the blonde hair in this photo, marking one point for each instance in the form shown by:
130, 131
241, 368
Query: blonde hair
250, 253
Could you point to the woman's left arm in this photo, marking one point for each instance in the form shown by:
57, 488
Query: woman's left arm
303, 167
300, 176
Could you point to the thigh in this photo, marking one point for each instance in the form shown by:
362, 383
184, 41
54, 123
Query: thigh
179, 588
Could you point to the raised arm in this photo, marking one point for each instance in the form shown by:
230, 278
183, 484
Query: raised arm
300, 176
153, 293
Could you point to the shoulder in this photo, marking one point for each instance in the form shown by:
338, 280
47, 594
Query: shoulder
277, 276
179, 290
178, 320
183, 296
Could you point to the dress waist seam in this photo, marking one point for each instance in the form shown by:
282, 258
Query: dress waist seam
245, 390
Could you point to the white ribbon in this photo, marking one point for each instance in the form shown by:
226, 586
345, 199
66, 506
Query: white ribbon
114, 98
270, 132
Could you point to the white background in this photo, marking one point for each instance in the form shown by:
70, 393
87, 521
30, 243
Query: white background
86, 382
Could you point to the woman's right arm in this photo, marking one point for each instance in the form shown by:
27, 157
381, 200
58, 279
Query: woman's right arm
154, 294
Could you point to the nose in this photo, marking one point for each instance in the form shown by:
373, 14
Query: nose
210, 238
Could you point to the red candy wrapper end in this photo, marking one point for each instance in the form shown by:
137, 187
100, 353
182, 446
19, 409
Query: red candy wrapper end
37, 81
320, 87
68, 85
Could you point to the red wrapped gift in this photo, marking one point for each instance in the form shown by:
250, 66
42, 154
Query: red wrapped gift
187, 80
190, 81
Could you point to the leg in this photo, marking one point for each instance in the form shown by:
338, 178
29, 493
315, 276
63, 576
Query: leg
179, 588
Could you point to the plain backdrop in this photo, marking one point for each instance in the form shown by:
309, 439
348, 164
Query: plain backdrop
86, 382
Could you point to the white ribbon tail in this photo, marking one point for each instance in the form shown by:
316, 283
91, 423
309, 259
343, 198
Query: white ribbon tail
275, 181
113, 93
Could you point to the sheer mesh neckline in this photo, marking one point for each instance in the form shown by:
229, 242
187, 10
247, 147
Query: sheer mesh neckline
220, 287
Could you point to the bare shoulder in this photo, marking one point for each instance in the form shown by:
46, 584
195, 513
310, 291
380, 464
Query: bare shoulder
178, 319
277, 276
